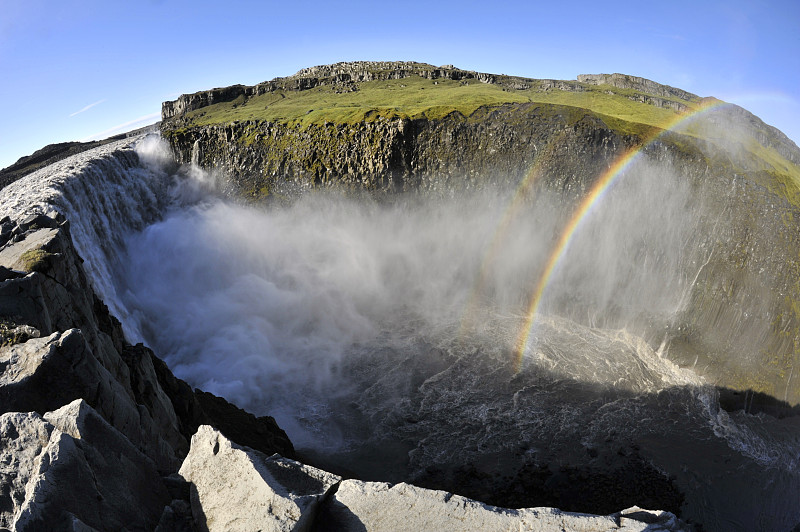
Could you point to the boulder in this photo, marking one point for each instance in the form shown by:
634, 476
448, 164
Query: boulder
378, 507
236, 488
44, 373
71, 470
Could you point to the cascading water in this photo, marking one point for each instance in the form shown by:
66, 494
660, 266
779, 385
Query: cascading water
382, 335
106, 193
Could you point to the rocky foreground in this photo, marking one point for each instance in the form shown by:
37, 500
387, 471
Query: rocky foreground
98, 434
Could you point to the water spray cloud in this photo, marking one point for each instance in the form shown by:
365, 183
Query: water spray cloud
592, 198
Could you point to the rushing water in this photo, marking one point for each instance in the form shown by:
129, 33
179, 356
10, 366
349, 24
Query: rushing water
382, 335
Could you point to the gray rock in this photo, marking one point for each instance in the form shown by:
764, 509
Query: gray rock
378, 506
237, 488
74, 471
44, 373
22, 438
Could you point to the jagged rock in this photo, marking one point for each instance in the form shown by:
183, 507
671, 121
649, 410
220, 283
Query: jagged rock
57, 297
237, 488
195, 408
259, 433
623, 81
44, 373
378, 507
72, 471
177, 517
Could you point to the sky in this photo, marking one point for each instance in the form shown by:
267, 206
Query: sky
87, 69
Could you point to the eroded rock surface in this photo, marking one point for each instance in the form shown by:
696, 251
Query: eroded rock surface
378, 506
73, 467
237, 488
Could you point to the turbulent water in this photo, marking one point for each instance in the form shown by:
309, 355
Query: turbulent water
381, 335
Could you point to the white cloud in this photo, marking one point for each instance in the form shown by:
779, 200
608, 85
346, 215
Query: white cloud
127, 126
88, 107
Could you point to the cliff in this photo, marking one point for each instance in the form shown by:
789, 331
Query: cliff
96, 433
94, 405
411, 127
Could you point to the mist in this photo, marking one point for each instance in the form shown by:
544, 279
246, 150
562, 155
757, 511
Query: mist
273, 307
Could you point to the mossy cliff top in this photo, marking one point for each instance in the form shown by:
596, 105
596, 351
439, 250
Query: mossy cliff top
359, 92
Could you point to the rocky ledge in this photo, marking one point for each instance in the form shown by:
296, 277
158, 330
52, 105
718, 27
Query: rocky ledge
95, 433
346, 74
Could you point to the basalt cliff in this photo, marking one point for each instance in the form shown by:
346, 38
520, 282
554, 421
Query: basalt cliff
411, 127
98, 434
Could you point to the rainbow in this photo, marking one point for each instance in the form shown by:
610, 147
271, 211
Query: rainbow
603, 183
524, 188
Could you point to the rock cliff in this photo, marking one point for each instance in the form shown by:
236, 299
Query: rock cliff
566, 134
98, 434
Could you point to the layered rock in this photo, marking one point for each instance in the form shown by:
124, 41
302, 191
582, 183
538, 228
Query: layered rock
497, 146
643, 85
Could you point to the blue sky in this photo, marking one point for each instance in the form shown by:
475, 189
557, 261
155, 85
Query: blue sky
75, 70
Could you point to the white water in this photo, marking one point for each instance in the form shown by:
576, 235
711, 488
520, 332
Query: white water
274, 308
106, 193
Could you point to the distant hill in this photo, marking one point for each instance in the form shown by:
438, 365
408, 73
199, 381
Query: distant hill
56, 152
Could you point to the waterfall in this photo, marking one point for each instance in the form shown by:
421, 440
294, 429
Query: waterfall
106, 193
